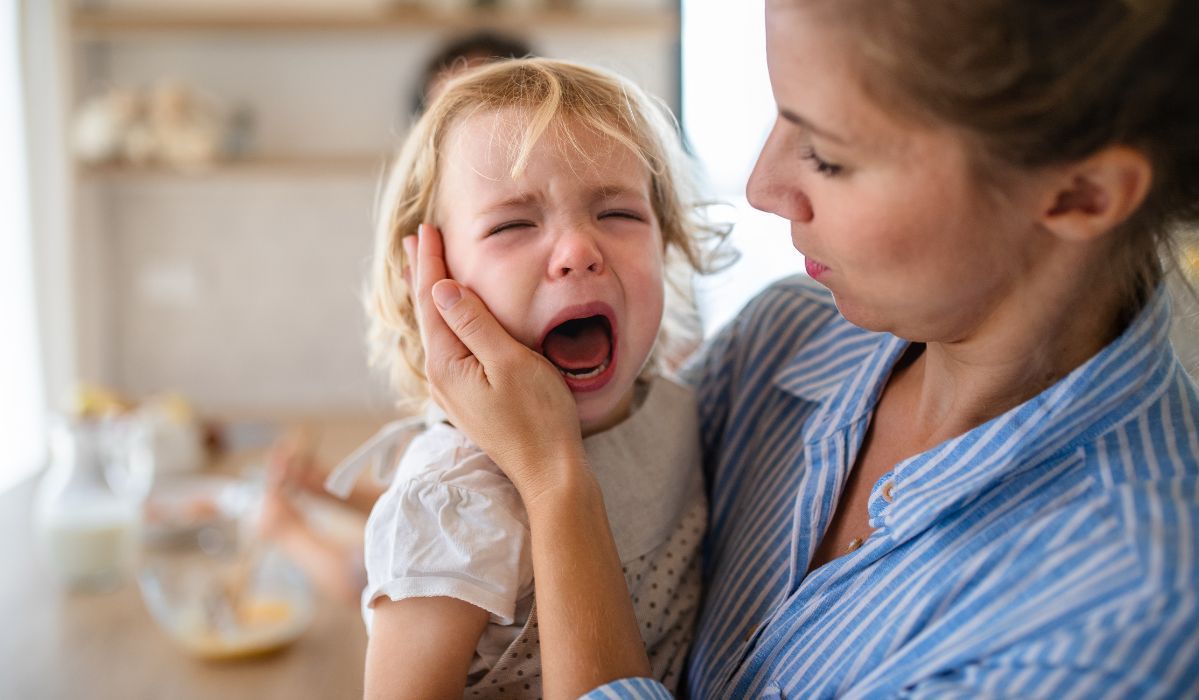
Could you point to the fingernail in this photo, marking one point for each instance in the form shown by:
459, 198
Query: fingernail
420, 228
446, 294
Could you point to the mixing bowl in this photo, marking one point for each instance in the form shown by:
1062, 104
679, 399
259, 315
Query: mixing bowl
218, 593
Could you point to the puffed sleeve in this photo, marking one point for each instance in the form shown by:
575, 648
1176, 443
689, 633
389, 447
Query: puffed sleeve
450, 524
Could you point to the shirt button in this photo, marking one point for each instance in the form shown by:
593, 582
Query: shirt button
749, 633
886, 491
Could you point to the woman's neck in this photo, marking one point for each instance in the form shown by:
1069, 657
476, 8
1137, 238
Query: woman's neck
1049, 326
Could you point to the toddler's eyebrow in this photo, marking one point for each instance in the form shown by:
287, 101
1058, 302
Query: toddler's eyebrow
518, 200
613, 191
600, 192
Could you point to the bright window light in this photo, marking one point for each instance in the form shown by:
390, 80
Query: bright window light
22, 405
727, 111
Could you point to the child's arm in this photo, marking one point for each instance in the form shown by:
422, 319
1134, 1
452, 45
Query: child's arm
335, 567
292, 462
421, 647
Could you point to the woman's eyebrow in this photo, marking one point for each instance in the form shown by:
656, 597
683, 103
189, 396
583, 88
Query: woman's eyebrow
805, 124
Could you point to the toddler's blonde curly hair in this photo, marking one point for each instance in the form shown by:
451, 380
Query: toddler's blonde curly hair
554, 94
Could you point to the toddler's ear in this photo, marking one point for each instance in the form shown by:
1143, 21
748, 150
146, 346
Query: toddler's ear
1093, 196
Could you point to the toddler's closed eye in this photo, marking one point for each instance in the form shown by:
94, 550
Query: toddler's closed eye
621, 214
510, 226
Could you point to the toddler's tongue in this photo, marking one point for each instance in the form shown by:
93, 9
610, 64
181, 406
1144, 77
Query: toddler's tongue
578, 345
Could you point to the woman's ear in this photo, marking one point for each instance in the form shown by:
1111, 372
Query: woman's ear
1086, 199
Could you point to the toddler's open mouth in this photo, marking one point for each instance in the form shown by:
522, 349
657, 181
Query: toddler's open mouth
582, 348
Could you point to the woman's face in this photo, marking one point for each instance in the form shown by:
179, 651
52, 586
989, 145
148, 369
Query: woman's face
886, 212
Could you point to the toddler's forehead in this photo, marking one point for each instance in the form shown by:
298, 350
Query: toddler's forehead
495, 140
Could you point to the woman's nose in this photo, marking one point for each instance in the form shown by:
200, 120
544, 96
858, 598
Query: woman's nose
575, 252
774, 184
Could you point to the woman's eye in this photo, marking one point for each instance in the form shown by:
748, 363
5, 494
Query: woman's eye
821, 165
509, 226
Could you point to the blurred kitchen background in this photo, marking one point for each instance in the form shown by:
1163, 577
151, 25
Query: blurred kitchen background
185, 221
186, 206
192, 192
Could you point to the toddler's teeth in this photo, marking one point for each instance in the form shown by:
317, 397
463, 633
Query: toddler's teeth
586, 375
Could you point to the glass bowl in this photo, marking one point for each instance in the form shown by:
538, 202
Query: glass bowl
178, 507
219, 594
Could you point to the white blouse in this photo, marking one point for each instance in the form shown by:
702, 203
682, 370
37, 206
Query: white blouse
451, 524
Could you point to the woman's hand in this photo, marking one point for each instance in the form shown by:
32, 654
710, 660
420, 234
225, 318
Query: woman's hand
511, 401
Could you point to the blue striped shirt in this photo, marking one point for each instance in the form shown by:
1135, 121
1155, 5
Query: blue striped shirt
1050, 552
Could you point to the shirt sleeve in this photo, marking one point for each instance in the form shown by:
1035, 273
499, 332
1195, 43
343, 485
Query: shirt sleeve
457, 533
630, 689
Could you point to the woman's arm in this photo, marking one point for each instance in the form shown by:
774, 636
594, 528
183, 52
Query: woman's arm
422, 647
589, 634
515, 406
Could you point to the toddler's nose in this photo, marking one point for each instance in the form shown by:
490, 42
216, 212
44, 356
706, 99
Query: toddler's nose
576, 252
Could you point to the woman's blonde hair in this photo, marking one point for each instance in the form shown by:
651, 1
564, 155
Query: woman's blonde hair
553, 94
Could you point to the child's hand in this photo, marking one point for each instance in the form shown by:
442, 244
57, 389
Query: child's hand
511, 401
279, 516
291, 464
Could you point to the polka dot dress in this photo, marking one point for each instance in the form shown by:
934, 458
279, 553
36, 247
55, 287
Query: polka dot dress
518, 672
649, 470
665, 587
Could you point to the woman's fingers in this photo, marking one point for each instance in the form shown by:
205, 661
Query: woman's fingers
460, 334
440, 342
473, 325
511, 401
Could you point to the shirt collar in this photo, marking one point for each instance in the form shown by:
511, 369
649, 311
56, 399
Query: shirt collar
844, 369
1113, 386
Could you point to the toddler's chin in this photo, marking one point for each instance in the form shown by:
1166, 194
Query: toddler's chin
602, 410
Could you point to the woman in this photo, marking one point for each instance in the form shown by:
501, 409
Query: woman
962, 458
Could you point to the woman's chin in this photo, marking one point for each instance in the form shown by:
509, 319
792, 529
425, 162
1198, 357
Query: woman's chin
847, 310
861, 315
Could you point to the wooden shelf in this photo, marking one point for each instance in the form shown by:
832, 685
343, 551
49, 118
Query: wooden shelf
98, 24
256, 166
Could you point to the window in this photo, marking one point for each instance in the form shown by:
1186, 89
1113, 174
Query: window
727, 111
22, 404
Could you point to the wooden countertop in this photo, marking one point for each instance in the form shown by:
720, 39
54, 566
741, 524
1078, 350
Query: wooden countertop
56, 643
